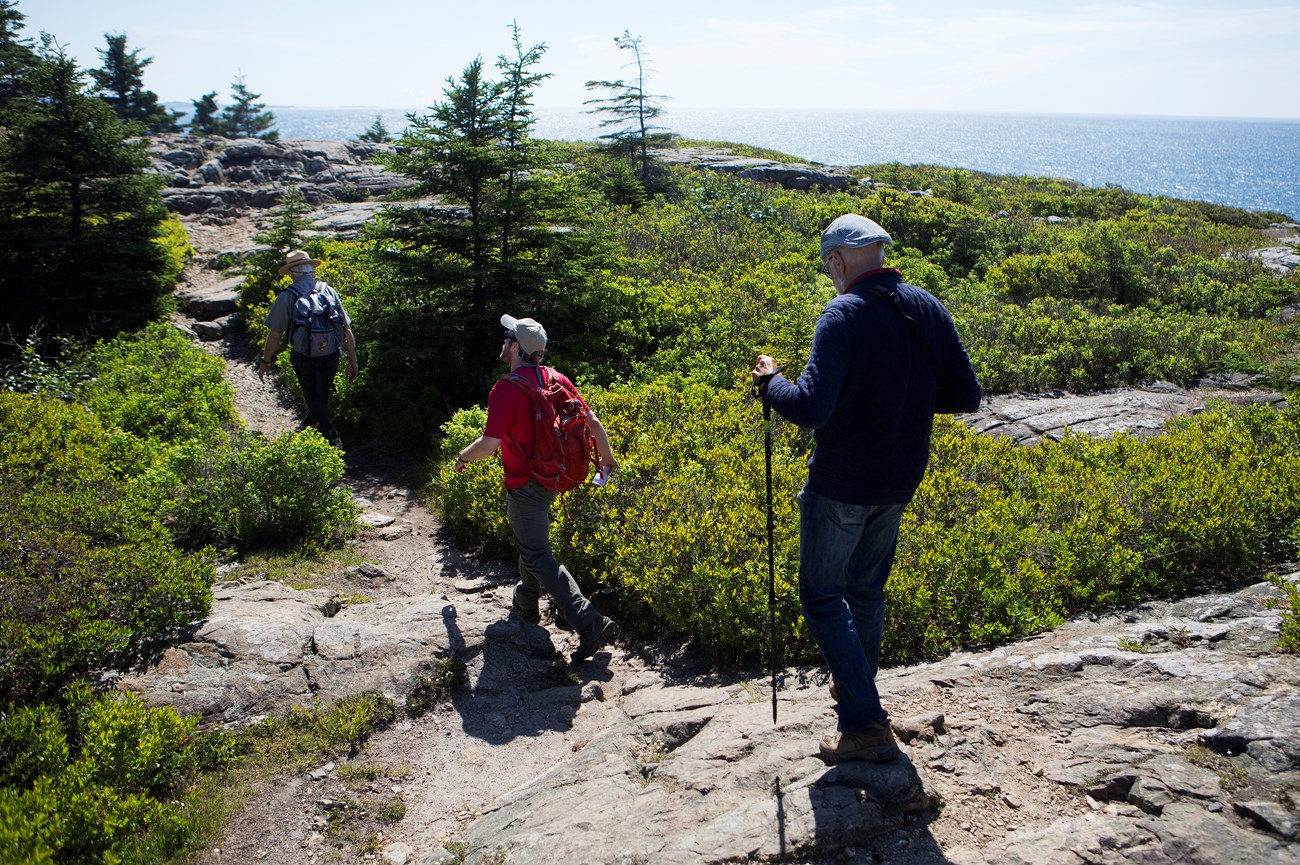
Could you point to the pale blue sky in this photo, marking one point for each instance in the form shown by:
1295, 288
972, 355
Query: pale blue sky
1178, 57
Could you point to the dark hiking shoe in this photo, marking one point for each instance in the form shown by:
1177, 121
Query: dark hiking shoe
592, 637
875, 744
525, 609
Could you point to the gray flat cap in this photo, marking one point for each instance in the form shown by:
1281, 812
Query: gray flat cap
852, 231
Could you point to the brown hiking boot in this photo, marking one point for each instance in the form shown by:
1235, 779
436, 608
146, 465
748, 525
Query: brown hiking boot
875, 744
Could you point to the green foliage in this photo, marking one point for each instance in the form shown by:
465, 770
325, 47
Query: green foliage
17, 57
1002, 541
1050, 344
470, 504
629, 112
158, 385
241, 489
245, 117
97, 780
78, 244
376, 132
1288, 639
120, 83
175, 243
57, 376
86, 576
32, 744
124, 744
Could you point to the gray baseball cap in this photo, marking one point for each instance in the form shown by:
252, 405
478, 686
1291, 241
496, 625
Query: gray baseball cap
853, 231
530, 335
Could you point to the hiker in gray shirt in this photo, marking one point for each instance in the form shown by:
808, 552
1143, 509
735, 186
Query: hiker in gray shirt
319, 329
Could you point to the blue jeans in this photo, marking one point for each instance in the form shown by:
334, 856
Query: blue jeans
845, 554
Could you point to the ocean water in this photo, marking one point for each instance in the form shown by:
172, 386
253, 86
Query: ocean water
1253, 164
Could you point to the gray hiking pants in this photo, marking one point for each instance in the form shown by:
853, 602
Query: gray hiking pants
529, 510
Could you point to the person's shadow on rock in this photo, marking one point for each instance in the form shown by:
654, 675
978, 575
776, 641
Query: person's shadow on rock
858, 804
519, 684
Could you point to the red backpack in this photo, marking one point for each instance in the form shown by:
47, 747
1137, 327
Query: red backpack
563, 449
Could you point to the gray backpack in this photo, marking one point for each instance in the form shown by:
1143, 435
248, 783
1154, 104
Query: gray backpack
316, 321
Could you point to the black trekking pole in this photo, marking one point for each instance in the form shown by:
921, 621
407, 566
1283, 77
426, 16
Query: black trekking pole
771, 529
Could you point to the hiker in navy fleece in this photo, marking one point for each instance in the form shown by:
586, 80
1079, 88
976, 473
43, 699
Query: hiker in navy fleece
885, 359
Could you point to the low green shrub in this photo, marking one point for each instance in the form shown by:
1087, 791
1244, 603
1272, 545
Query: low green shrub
175, 242
48, 441
97, 780
158, 385
999, 542
470, 504
87, 578
242, 489
32, 744
86, 574
1288, 638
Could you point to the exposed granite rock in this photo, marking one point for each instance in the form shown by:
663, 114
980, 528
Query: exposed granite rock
212, 302
215, 175
1178, 752
1281, 259
1144, 411
789, 175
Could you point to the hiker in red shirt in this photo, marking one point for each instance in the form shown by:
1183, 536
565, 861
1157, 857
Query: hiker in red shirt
528, 503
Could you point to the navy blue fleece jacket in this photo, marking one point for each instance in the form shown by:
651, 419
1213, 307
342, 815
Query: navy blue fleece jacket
870, 394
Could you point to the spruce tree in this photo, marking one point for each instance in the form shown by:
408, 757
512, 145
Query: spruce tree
507, 235
376, 132
289, 230
245, 117
120, 83
78, 236
206, 119
17, 57
629, 111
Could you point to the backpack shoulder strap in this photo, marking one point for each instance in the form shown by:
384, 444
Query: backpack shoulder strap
912, 325
543, 379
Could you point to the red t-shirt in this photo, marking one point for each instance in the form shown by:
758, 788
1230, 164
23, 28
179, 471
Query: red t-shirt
509, 420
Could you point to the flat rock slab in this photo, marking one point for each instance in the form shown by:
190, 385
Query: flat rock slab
212, 302
1183, 751
266, 647
719, 783
1136, 411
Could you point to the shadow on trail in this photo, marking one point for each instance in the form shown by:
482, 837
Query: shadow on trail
880, 807
519, 685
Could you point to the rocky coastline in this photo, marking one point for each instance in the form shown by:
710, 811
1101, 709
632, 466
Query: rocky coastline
1169, 733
